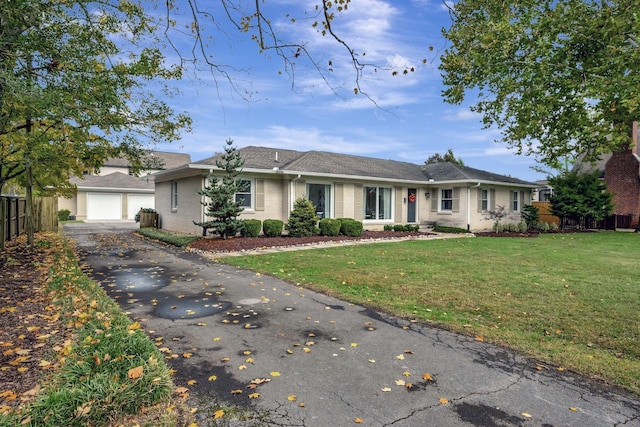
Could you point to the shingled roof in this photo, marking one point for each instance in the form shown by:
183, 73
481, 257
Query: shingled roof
163, 159
326, 163
116, 180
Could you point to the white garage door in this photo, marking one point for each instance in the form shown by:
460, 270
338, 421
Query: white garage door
137, 201
104, 206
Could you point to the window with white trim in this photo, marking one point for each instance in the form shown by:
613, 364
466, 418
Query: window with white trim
378, 202
320, 196
244, 196
484, 193
514, 201
174, 195
446, 199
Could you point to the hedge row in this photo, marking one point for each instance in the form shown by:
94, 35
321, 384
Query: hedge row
327, 227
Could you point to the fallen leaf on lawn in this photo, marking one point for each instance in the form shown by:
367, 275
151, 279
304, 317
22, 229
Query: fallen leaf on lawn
133, 326
386, 389
82, 411
212, 378
292, 398
427, 376
254, 395
443, 401
479, 338
218, 414
191, 382
274, 374
358, 420
8, 395
135, 373
526, 415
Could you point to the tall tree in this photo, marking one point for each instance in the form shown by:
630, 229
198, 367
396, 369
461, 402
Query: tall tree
221, 204
448, 157
559, 78
73, 89
579, 196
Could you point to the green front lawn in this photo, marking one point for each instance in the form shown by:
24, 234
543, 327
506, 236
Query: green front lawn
569, 300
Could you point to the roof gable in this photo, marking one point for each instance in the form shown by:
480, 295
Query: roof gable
112, 180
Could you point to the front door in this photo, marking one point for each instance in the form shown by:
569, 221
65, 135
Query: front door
412, 195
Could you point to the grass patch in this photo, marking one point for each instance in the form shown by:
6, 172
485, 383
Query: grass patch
180, 240
570, 300
106, 371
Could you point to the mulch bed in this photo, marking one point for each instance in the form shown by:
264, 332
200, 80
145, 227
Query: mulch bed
237, 244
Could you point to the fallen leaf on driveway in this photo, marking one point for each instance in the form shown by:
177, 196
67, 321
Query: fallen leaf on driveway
218, 414
443, 401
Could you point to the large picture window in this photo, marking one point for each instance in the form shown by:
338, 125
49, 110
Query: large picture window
244, 195
377, 203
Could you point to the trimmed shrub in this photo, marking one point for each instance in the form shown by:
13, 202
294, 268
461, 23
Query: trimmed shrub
329, 227
388, 227
445, 229
350, 227
272, 227
522, 227
303, 220
251, 228
63, 214
398, 227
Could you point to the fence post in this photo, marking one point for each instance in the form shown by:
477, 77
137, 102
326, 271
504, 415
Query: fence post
3, 221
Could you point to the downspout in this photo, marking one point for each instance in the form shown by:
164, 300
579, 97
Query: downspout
469, 205
292, 192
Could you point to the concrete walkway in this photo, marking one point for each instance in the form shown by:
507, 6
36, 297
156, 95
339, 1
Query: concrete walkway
292, 357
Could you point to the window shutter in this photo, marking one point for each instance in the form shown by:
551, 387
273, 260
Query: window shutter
456, 200
521, 204
338, 209
398, 210
492, 199
479, 199
435, 193
358, 203
259, 195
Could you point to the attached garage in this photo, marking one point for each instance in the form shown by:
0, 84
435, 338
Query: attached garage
104, 207
137, 201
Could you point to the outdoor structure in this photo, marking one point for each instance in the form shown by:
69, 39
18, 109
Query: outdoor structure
621, 172
374, 191
114, 194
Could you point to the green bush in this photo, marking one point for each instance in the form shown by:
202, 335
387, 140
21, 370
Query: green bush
63, 214
350, 227
251, 228
272, 227
388, 227
398, 227
303, 220
445, 229
329, 227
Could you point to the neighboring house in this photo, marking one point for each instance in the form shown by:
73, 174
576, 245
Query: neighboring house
621, 172
114, 194
374, 191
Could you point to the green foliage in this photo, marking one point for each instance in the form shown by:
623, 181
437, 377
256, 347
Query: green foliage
63, 214
251, 228
180, 240
73, 89
580, 196
143, 210
221, 204
350, 227
272, 227
303, 219
388, 227
448, 157
329, 227
496, 215
530, 215
558, 78
446, 229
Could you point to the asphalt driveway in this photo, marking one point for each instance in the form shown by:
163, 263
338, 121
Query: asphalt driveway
293, 357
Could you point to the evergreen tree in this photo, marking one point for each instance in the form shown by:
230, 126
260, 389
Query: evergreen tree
221, 203
580, 196
303, 220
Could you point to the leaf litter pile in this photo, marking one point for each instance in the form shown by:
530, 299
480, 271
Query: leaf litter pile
29, 329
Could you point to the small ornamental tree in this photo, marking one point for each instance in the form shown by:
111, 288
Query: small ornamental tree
496, 216
221, 202
580, 196
303, 220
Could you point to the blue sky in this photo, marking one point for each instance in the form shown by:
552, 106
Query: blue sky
409, 120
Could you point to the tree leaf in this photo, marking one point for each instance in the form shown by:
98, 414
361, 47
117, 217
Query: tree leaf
135, 373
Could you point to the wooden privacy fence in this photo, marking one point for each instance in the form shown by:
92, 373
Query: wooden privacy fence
13, 215
544, 213
612, 222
